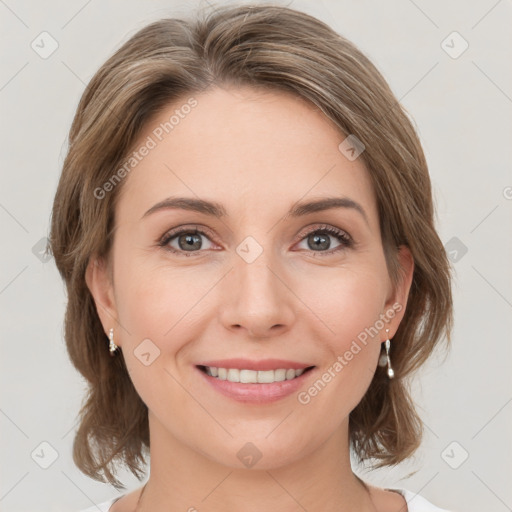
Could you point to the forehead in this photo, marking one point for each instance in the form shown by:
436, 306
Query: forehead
252, 150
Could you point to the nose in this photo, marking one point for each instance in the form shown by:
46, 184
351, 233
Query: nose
257, 299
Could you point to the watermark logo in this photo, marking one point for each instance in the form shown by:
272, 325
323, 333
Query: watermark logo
249, 455
249, 249
39, 250
454, 455
44, 45
454, 45
455, 249
147, 352
351, 147
44, 455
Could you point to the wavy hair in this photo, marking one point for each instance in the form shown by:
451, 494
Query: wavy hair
276, 48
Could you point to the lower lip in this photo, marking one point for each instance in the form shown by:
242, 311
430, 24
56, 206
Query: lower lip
256, 393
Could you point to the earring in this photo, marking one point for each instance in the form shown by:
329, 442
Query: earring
112, 346
384, 358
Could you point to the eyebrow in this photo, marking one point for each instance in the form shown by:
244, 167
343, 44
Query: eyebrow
215, 209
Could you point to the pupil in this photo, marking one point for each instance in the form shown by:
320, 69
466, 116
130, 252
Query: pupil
318, 239
192, 242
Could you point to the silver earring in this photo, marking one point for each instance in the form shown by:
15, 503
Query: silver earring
384, 358
112, 346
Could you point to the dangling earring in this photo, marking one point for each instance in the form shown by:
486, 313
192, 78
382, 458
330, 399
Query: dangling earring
112, 346
384, 358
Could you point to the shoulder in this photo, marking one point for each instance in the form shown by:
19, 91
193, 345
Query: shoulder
417, 503
101, 507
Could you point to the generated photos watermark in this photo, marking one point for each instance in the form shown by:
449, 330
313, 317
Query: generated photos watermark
305, 397
151, 142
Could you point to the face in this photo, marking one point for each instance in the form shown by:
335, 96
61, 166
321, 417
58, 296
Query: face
260, 285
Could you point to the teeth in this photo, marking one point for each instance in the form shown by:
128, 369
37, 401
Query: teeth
253, 376
248, 376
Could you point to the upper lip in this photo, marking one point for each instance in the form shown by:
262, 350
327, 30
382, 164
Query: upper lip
262, 364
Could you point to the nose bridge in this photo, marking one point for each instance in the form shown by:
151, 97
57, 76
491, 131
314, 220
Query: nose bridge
256, 284
258, 299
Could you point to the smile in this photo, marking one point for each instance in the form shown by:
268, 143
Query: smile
246, 376
263, 382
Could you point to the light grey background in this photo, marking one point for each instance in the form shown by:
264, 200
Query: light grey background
462, 108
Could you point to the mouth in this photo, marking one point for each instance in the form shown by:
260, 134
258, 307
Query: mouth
267, 381
247, 376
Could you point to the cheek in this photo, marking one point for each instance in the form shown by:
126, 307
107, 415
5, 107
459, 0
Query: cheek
156, 309
154, 301
162, 314
347, 303
350, 306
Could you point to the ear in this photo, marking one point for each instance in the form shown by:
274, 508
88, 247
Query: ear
99, 281
394, 308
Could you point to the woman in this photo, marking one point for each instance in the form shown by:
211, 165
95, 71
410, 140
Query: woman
244, 223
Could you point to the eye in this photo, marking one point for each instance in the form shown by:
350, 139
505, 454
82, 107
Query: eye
184, 241
318, 239
188, 241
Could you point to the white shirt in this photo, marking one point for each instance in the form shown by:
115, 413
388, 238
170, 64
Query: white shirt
415, 503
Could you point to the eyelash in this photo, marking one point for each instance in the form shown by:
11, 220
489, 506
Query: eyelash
345, 239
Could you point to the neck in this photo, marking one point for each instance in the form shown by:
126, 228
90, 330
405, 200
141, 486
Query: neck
183, 479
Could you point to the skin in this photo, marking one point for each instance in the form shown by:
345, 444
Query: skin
257, 153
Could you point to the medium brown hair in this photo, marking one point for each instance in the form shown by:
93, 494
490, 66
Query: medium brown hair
275, 48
